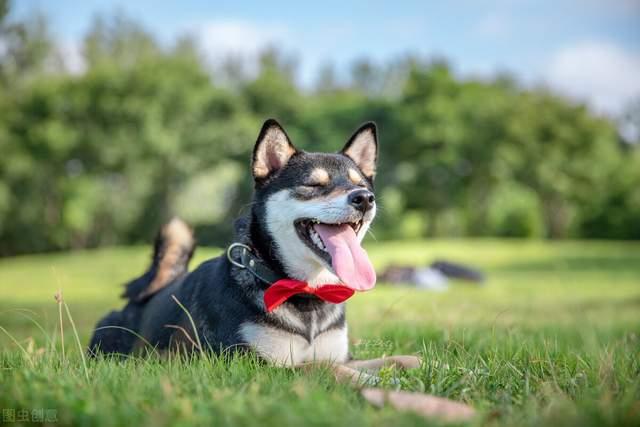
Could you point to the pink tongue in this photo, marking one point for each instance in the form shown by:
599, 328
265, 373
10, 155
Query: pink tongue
349, 260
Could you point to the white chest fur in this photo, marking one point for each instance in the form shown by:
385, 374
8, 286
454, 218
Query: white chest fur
284, 348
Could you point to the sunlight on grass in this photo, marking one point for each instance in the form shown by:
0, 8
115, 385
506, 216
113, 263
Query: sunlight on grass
551, 338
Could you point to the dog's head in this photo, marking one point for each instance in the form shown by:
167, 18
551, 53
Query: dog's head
312, 210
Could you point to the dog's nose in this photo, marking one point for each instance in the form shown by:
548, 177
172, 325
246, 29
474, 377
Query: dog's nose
362, 200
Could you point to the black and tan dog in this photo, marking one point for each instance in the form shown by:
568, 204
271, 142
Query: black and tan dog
278, 290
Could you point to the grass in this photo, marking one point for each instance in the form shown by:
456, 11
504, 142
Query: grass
553, 338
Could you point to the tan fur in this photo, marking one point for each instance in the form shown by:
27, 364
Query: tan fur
363, 151
275, 150
319, 176
361, 375
179, 239
428, 406
401, 362
355, 177
346, 375
360, 372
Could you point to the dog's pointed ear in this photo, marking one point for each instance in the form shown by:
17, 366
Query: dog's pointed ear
272, 151
362, 148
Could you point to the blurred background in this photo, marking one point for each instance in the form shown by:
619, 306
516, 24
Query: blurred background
496, 118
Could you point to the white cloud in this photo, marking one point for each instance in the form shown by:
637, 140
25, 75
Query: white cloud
217, 40
238, 40
235, 38
604, 75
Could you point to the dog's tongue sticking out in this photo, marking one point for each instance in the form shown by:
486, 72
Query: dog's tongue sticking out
349, 260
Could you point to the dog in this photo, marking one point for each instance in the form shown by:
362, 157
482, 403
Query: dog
302, 237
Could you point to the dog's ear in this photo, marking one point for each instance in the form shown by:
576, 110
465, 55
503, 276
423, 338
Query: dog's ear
362, 148
272, 151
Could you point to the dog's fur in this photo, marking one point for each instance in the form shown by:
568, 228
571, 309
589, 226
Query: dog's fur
225, 302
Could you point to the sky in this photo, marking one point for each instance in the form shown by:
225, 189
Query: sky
585, 49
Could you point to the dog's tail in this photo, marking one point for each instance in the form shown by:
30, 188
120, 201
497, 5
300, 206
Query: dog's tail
172, 252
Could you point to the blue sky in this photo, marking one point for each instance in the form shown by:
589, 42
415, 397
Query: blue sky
588, 49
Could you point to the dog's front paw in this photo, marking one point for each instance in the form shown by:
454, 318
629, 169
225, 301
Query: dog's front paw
398, 362
403, 362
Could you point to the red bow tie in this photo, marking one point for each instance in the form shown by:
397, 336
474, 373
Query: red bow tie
284, 289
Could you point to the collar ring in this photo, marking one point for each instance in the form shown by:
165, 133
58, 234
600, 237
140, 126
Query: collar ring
230, 249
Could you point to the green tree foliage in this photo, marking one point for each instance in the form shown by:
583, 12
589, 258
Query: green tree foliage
24, 48
147, 131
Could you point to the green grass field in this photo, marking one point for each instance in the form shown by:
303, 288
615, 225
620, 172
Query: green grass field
553, 338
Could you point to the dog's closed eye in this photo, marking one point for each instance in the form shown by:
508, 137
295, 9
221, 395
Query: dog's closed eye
313, 184
309, 189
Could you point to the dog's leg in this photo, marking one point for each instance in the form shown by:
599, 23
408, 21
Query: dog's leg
344, 374
398, 362
355, 377
360, 372
428, 406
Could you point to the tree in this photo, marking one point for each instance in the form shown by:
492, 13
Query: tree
149, 130
24, 48
560, 151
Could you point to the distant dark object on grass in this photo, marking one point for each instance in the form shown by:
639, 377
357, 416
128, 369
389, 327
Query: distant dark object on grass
434, 277
458, 271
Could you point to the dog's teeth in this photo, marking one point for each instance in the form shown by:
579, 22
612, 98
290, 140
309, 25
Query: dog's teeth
315, 238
